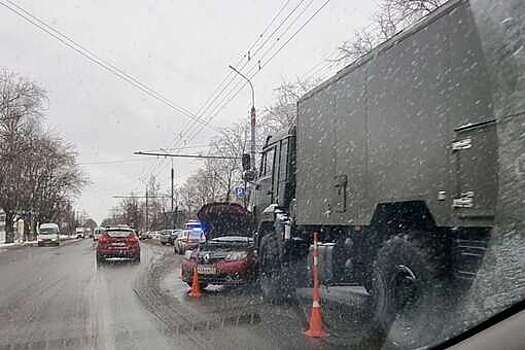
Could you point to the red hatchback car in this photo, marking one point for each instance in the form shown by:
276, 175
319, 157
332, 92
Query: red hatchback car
118, 242
228, 256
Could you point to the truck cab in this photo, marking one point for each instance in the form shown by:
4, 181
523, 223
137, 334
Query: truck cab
274, 183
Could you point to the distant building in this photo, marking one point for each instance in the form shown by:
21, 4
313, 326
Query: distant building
18, 228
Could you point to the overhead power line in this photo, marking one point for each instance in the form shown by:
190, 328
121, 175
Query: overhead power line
215, 109
95, 59
111, 161
258, 66
173, 155
230, 77
263, 64
124, 197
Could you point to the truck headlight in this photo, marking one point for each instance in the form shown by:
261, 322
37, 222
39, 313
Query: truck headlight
236, 256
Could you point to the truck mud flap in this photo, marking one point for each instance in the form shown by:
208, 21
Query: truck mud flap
468, 252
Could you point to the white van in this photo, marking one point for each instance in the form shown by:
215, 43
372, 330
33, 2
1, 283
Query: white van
80, 232
48, 233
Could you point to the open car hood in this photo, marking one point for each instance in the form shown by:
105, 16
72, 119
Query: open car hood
224, 219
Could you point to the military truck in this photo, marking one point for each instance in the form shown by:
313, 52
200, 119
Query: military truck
406, 162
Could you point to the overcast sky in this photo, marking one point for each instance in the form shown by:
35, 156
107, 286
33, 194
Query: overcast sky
181, 49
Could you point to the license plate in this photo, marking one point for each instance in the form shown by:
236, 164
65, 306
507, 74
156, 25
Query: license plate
206, 270
118, 244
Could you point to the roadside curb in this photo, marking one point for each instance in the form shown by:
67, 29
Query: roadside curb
20, 245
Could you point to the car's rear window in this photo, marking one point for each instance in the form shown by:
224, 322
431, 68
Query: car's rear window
119, 233
195, 234
193, 226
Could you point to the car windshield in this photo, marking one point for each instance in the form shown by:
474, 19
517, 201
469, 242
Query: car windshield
278, 174
48, 231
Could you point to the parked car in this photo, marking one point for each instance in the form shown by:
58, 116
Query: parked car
189, 239
228, 256
177, 245
145, 235
168, 236
164, 237
48, 234
118, 242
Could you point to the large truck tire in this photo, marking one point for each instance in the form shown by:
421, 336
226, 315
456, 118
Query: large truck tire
409, 289
274, 280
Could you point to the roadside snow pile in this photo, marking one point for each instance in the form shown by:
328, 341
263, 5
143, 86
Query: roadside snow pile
17, 244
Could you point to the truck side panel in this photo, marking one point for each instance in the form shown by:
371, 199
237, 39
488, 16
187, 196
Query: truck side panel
317, 148
408, 122
349, 183
390, 122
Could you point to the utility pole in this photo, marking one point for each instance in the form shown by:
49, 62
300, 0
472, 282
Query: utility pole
172, 218
252, 118
146, 219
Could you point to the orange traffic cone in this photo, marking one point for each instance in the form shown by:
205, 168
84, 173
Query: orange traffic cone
316, 327
195, 285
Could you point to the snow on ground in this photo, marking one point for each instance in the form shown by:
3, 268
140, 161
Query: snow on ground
19, 243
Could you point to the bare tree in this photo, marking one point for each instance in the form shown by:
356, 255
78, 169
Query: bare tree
39, 174
21, 106
228, 172
217, 178
132, 213
391, 17
281, 115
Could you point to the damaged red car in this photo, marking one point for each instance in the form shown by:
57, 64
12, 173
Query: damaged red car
228, 256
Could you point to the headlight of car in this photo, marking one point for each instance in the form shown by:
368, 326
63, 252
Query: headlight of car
236, 256
188, 254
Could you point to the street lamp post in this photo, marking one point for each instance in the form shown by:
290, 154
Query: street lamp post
253, 118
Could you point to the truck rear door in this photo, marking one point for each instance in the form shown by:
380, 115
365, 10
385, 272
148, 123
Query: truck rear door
475, 170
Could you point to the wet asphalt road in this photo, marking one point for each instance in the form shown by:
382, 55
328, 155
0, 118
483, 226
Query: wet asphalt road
57, 298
